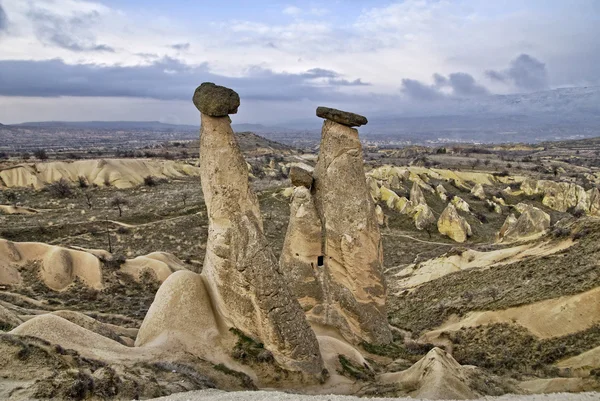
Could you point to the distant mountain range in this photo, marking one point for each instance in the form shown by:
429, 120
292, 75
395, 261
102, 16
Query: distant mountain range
566, 113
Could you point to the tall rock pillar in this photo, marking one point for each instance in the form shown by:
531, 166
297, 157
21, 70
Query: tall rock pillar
241, 272
349, 292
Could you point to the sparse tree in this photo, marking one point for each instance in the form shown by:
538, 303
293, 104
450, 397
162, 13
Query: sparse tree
41, 154
11, 197
82, 181
88, 199
487, 162
184, 197
25, 156
61, 189
119, 202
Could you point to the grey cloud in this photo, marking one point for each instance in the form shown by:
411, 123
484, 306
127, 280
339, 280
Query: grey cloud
181, 46
166, 79
420, 91
461, 83
495, 76
3, 19
525, 72
464, 84
440, 80
71, 33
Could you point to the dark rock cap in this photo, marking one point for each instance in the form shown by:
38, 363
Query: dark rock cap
215, 100
301, 177
342, 117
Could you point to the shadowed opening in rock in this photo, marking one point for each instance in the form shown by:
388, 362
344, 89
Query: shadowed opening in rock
320, 261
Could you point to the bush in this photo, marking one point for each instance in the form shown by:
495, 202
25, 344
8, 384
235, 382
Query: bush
60, 189
82, 181
41, 154
150, 181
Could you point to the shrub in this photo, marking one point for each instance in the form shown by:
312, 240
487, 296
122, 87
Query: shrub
60, 189
82, 181
118, 202
41, 154
149, 181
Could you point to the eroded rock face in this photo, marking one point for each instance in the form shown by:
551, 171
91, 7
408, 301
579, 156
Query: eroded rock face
560, 196
594, 195
453, 225
416, 195
423, 216
478, 192
341, 286
301, 177
531, 223
242, 275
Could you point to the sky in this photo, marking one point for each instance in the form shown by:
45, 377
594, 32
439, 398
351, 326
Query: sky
142, 59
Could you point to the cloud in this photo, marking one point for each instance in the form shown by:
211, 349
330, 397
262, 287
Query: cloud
420, 91
292, 10
525, 72
166, 79
460, 83
464, 84
3, 19
181, 46
68, 32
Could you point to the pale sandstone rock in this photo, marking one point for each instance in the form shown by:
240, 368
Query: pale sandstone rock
416, 195
423, 216
594, 196
560, 196
436, 376
461, 204
301, 250
532, 223
354, 287
380, 215
478, 192
442, 193
389, 197
493, 206
453, 225
243, 278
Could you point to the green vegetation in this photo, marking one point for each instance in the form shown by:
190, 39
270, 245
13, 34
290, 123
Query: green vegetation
353, 371
507, 349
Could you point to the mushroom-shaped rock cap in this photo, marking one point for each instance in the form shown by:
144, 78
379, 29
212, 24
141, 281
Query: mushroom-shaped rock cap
342, 117
215, 100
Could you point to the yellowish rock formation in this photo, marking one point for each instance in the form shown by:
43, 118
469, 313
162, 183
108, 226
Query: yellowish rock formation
453, 225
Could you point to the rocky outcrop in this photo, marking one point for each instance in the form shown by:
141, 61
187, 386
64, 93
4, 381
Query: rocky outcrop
442, 193
423, 216
461, 204
453, 225
332, 254
493, 206
594, 196
416, 195
247, 288
561, 196
532, 223
437, 376
301, 177
478, 192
